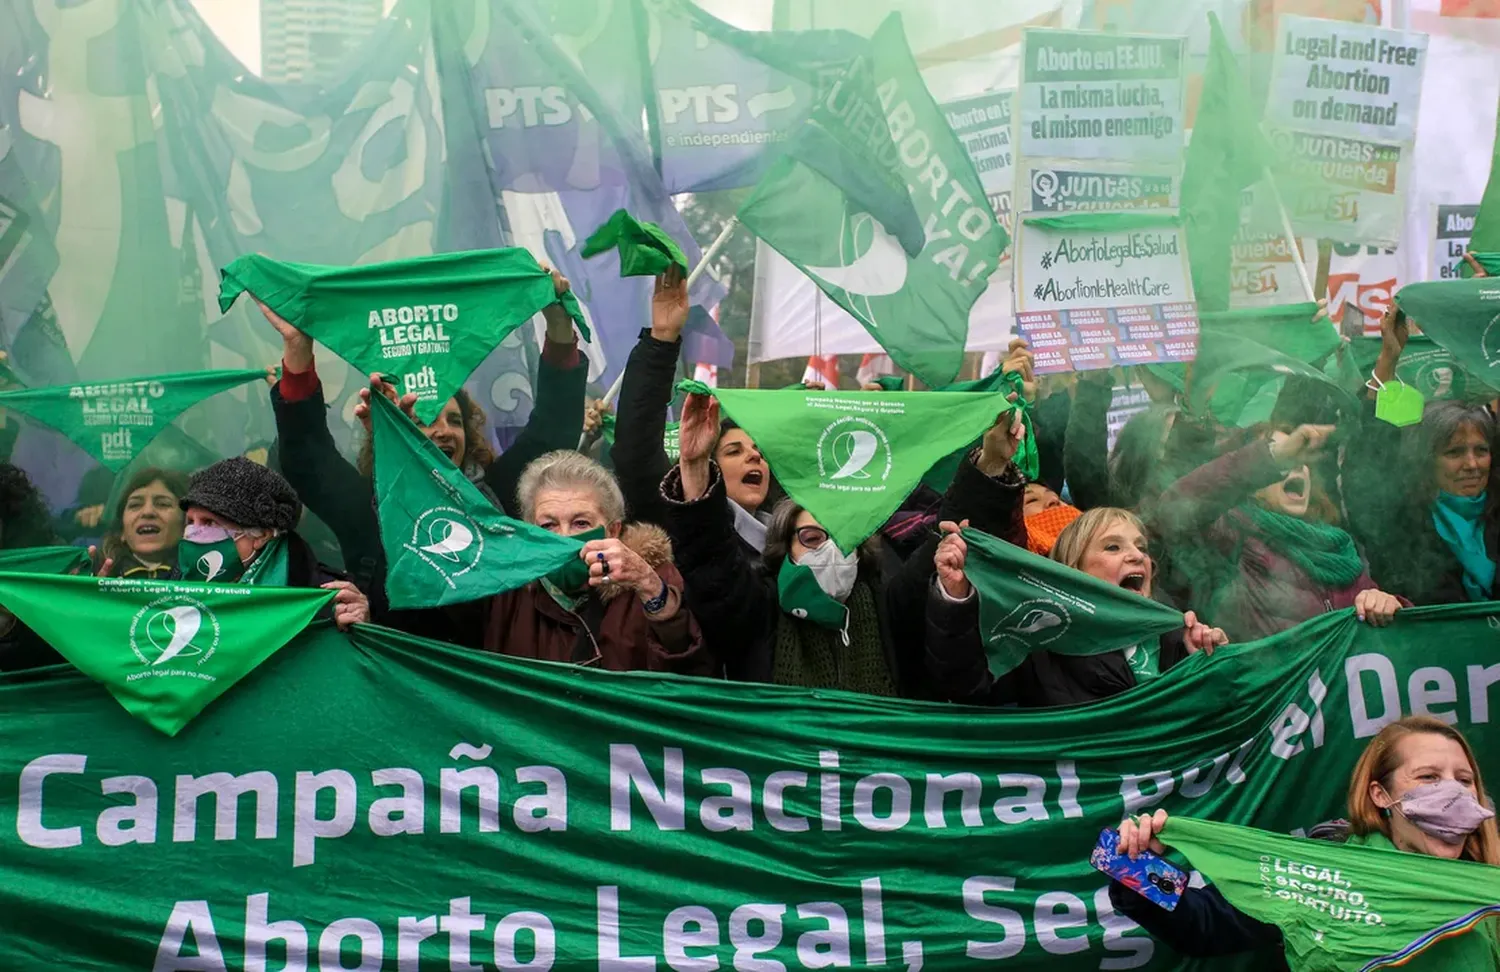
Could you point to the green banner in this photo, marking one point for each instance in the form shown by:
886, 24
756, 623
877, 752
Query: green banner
545, 816
852, 458
444, 542
164, 649
114, 420
45, 560
1355, 907
427, 322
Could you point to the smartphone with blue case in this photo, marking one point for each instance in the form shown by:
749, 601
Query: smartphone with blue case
1149, 875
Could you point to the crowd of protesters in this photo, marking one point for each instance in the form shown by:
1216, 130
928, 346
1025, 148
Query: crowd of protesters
701, 565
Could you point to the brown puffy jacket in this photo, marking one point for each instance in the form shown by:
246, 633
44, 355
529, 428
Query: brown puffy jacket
609, 629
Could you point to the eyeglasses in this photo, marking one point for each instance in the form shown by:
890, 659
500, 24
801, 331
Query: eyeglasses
812, 537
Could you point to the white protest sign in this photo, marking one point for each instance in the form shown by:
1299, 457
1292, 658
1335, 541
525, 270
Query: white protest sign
1087, 95
1342, 120
1452, 227
1100, 291
983, 126
1346, 79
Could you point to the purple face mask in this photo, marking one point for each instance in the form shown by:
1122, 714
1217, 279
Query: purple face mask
1445, 810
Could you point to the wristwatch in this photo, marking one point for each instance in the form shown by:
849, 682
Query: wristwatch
655, 605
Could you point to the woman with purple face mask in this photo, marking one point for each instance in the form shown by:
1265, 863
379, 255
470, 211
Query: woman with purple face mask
1415, 789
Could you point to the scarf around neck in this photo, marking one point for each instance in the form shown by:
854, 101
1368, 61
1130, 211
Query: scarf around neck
1459, 520
1325, 553
750, 527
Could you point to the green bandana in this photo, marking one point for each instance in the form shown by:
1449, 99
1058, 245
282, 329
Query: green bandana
1027, 459
1325, 553
803, 598
1144, 660
1343, 907
1029, 603
444, 542
1490, 262
645, 249
568, 584
45, 560
113, 421
851, 458
425, 323
1462, 316
164, 649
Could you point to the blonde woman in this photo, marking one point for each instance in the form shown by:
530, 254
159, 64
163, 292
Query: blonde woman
1107, 543
1415, 789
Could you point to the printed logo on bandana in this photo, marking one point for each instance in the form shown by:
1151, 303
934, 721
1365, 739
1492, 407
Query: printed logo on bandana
854, 455
418, 329
211, 564
448, 541
1490, 342
174, 636
1031, 625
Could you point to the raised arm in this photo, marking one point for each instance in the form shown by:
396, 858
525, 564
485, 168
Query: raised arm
640, 460
556, 412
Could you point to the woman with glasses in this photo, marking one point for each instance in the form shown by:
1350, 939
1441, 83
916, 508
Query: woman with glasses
803, 613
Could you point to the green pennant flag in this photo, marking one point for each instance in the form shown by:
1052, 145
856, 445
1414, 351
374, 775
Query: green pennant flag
163, 649
1227, 155
1029, 603
45, 560
1343, 907
851, 458
1484, 241
425, 323
1461, 316
854, 205
645, 248
444, 542
114, 420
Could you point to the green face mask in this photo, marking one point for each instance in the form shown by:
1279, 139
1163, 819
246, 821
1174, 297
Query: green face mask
210, 556
573, 576
803, 597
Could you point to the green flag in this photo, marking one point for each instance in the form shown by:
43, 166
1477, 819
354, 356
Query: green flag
45, 560
427, 322
163, 649
645, 248
873, 153
114, 420
1484, 241
1029, 603
1348, 907
1462, 316
1227, 155
444, 542
851, 458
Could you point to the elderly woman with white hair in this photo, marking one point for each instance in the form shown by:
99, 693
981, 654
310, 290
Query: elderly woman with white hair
620, 608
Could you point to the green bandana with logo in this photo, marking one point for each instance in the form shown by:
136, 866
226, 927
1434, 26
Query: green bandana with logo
1364, 905
852, 458
45, 560
163, 649
219, 563
113, 421
645, 248
444, 542
1461, 316
1144, 660
1029, 603
802, 597
425, 323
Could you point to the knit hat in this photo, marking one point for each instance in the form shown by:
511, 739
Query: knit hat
245, 493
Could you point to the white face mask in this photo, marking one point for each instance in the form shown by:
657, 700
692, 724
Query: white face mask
834, 570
